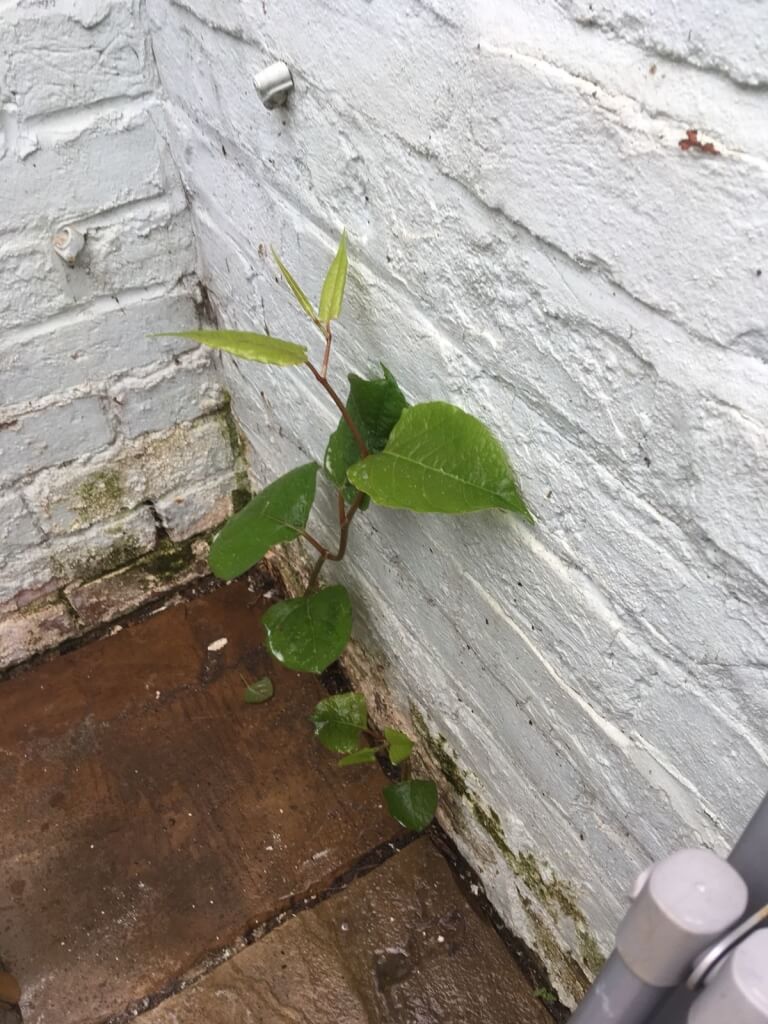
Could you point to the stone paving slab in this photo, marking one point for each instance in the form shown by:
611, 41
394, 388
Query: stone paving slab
400, 946
150, 816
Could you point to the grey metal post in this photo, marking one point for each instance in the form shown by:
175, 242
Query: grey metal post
750, 858
618, 995
738, 992
679, 907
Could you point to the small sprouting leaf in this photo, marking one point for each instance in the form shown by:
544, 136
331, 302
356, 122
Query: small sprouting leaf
375, 407
332, 295
440, 459
412, 803
261, 348
339, 720
292, 283
366, 755
259, 691
400, 746
308, 633
277, 514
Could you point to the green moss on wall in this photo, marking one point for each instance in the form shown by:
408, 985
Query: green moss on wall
241, 493
168, 559
100, 496
90, 567
553, 894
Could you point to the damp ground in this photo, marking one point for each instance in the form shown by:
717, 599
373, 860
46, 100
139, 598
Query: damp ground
171, 854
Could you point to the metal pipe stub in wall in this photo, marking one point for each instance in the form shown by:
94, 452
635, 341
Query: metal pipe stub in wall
274, 84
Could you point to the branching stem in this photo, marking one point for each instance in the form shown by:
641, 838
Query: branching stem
323, 381
345, 519
346, 515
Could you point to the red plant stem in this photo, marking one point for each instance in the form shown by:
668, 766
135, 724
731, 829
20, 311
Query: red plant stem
325, 554
364, 453
326, 329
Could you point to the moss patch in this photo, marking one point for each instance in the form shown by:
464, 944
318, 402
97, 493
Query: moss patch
240, 498
90, 567
241, 493
589, 951
574, 977
168, 559
99, 496
551, 892
449, 769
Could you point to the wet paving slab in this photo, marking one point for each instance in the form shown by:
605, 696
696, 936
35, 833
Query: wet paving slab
151, 818
400, 946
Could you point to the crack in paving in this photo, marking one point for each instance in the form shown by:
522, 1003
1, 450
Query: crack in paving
296, 905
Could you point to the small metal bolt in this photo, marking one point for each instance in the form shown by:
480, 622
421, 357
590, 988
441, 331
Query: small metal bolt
68, 243
274, 84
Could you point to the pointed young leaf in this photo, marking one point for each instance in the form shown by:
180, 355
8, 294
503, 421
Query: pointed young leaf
375, 407
259, 691
400, 746
339, 720
292, 283
440, 459
366, 755
261, 348
332, 295
308, 633
278, 514
412, 803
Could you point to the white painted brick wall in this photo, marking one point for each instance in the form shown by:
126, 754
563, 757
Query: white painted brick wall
96, 417
529, 241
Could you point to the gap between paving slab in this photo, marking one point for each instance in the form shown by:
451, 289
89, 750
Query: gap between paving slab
399, 946
151, 817
138, 699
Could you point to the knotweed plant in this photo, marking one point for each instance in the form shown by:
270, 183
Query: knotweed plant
429, 457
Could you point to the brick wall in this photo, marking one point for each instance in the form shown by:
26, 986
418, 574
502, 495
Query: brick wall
528, 240
105, 433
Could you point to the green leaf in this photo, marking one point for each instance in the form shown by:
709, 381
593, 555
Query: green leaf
261, 348
400, 746
332, 294
278, 514
258, 692
440, 459
309, 632
292, 283
339, 720
375, 407
412, 803
366, 755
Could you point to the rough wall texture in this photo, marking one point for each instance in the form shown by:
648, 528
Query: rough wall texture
103, 430
530, 241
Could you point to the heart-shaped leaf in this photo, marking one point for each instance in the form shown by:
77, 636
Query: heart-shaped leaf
412, 803
259, 691
375, 406
261, 348
365, 755
332, 295
277, 514
290, 280
400, 746
339, 721
308, 633
440, 459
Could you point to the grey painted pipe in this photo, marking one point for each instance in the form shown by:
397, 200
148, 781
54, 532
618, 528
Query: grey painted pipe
618, 997
750, 858
679, 907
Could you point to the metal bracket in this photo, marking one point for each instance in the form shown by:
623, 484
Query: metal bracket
709, 960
